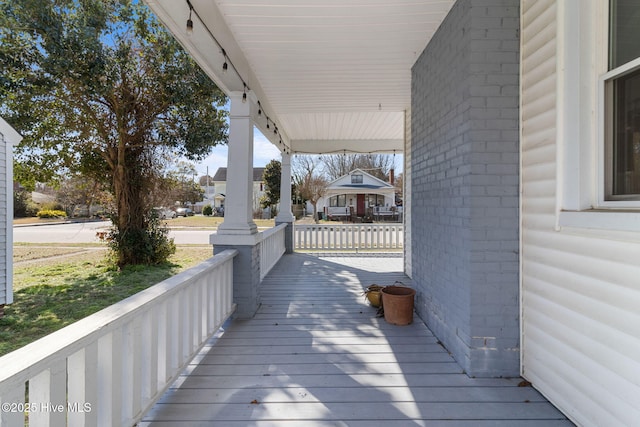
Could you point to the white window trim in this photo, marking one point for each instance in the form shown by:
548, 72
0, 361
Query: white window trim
602, 136
581, 155
606, 219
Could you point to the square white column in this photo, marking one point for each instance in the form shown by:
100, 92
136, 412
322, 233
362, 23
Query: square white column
238, 207
285, 214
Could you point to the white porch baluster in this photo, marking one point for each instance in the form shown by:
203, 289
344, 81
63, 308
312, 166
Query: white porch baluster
14, 396
83, 387
149, 354
47, 392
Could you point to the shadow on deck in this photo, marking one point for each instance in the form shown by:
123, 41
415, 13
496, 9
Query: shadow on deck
315, 354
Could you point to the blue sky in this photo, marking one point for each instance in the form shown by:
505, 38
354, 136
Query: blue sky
263, 153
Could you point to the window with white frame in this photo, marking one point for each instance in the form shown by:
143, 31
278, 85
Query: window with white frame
602, 33
338, 201
622, 103
375, 200
356, 179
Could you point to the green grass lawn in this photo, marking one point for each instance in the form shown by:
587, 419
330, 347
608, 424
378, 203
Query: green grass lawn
191, 221
210, 221
54, 287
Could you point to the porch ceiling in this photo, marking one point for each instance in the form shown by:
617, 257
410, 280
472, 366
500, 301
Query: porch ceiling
333, 75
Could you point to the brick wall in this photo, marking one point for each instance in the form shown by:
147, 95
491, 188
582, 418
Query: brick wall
464, 161
246, 279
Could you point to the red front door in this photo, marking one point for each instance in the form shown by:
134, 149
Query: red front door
360, 205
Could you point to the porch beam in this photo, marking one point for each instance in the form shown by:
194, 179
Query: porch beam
340, 146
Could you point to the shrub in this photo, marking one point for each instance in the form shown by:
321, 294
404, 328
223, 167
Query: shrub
207, 210
47, 213
23, 206
52, 206
147, 246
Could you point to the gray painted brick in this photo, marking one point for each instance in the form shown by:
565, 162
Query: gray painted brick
464, 132
246, 279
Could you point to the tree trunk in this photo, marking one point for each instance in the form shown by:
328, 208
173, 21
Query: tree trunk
129, 191
315, 212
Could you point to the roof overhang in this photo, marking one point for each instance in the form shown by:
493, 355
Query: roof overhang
334, 76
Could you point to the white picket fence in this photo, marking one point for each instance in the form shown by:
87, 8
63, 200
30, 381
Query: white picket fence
349, 236
272, 247
123, 357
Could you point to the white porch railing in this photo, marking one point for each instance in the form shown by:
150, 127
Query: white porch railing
109, 368
272, 247
348, 236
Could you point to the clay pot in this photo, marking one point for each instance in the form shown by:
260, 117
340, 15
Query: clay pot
397, 302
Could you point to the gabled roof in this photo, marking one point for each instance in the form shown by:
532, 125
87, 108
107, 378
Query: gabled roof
221, 174
369, 181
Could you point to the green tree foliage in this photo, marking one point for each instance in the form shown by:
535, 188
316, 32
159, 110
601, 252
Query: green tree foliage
271, 176
183, 187
99, 87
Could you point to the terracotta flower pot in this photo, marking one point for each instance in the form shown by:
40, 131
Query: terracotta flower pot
397, 302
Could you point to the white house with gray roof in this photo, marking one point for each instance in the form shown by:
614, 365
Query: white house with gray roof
358, 194
219, 183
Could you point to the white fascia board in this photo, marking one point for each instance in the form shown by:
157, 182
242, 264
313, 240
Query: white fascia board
9, 133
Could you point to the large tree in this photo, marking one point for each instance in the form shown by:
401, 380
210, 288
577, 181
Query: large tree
271, 176
184, 188
310, 181
99, 87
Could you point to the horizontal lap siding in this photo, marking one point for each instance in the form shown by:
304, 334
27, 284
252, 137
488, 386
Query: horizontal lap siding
580, 292
4, 195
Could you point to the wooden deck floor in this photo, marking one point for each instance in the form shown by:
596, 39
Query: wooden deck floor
316, 355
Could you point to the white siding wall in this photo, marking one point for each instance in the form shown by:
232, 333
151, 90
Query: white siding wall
5, 285
580, 287
8, 138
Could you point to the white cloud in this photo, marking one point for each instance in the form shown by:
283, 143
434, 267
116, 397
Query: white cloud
263, 150
217, 159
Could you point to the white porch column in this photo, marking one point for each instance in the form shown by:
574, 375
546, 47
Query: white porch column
238, 231
285, 216
238, 207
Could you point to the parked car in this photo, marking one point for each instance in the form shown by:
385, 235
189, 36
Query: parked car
164, 213
184, 212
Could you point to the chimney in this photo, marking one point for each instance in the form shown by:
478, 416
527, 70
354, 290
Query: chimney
392, 178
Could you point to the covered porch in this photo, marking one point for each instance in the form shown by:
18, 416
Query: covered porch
500, 283
315, 354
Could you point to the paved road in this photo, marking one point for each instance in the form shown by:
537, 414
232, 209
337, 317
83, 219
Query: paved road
85, 232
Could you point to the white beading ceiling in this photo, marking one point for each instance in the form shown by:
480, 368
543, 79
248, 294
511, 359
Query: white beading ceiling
334, 75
